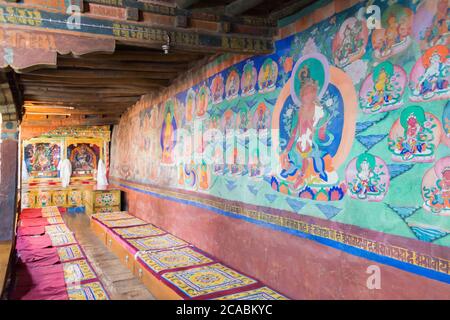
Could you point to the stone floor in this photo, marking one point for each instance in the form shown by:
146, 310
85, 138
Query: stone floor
118, 280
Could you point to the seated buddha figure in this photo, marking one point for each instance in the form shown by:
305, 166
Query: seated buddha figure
416, 140
382, 92
302, 161
167, 139
435, 78
367, 179
436, 187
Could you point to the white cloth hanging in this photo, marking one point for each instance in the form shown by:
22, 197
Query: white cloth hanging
24, 171
101, 174
65, 172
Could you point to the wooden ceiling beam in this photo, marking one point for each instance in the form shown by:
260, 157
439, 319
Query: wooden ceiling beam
184, 4
100, 74
146, 56
121, 66
97, 105
38, 88
45, 111
201, 39
238, 7
290, 9
70, 121
80, 99
88, 82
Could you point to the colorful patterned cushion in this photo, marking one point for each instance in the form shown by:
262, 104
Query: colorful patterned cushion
138, 231
109, 216
206, 280
88, 291
78, 271
263, 293
159, 261
51, 214
71, 252
124, 223
57, 229
62, 239
162, 242
55, 220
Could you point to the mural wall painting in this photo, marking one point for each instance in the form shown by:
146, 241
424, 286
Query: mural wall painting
84, 158
352, 127
42, 158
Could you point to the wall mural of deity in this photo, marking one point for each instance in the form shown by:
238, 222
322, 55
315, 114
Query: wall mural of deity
395, 34
84, 158
339, 113
248, 80
203, 100
168, 134
431, 23
415, 136
367, 178
350, 42
436, 188
430, 76
217, 89
268, 75
232, 85
190, 105
316, 119
42, 159
383, 89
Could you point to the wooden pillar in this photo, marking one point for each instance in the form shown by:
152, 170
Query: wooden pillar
8, 175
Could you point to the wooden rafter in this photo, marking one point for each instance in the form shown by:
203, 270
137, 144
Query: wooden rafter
240, 6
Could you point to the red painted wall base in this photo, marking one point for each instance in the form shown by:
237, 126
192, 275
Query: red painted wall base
299, 268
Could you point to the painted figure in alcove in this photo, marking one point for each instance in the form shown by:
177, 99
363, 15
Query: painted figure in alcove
260, 117
436, 188
217, 89
42, 159
83, 158
432, 22
430, 75
415, 136
267, 77
383, 88
248, 81
395, 34
311, 128
204, 178
367, 178
315, 116
190, 104
228, 120
243, 120
203, 100
232, 85
168, 139
350, 41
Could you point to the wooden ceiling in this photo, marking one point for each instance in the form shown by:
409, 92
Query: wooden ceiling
96, 89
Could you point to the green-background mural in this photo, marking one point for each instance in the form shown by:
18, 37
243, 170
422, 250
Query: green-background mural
356, 125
